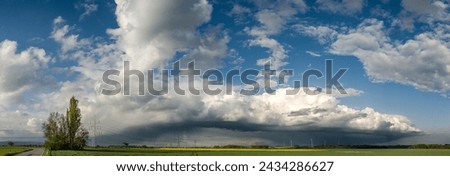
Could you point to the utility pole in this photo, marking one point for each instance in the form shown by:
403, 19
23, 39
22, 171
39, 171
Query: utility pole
95, 126
312, 144
339, 141
291, 142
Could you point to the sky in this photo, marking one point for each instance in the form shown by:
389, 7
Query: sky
396, 53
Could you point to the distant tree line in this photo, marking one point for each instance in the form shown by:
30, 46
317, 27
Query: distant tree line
417, 146
65, 132
431, 146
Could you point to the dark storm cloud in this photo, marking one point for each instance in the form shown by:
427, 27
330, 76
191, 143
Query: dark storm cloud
227, 133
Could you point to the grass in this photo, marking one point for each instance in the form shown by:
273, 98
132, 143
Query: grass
118, 151
12, 150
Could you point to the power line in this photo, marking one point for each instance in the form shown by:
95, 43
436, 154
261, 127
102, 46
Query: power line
95, 127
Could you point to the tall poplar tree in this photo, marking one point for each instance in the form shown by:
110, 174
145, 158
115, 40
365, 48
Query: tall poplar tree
66, 132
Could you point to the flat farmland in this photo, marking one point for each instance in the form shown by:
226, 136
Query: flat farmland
119, 151
12, 150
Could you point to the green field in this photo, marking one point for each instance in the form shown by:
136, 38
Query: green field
8, 151
249, 152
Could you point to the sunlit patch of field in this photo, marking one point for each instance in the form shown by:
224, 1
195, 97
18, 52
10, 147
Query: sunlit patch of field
12, 150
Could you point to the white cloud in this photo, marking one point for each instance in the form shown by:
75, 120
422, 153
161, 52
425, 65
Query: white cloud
368, 36
211, 48
238, 10
61, 34
273, 19
150, 33
88, 7
14, 79
93, 56
426, 11
324, 34
34, 125
20, 126
371, 120
421, 62
278, 53
426, 7
298, 111
22, 76
312, 53
345, 7
284, 7
283, 112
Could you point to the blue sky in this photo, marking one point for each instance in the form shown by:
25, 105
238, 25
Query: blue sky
397, 54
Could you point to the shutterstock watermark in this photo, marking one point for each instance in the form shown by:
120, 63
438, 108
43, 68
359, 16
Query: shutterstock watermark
215, 82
